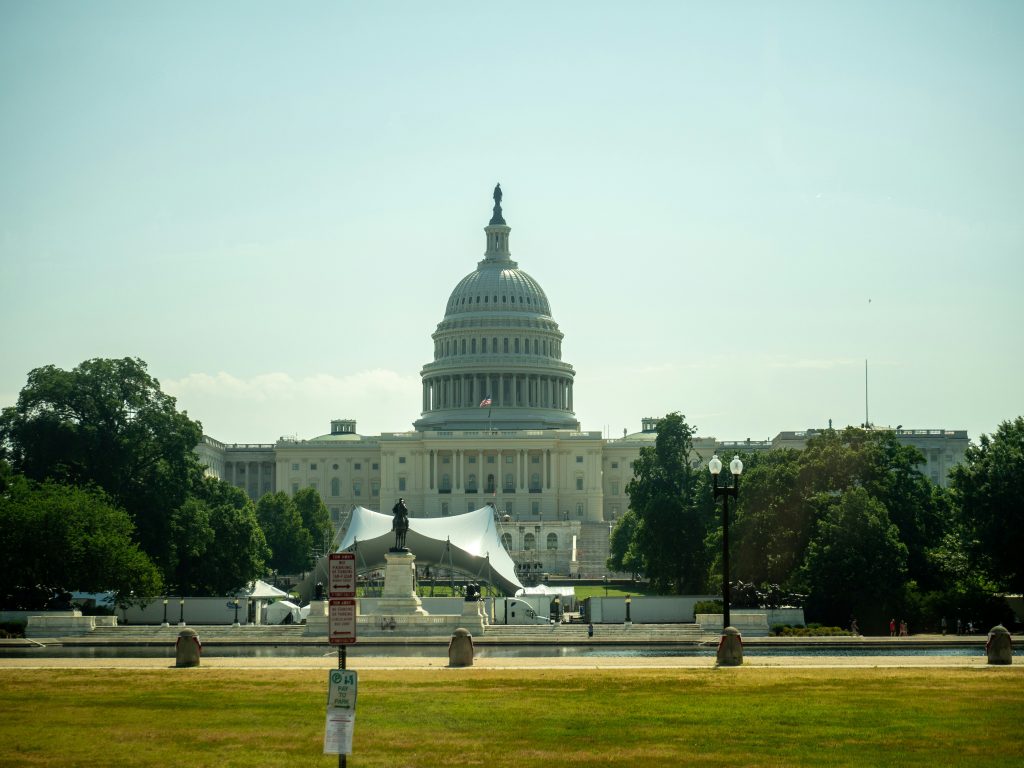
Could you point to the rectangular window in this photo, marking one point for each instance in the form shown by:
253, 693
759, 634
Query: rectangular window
579, 459
508, 508
535, 507
490, 459
401, 483
472, 506
312, 466
375, 467
615, 465
401, 459
295, 467
295, 488
444, 509
313, 485
357, 488
508, 459
446, 459
535, 460
615, 489
579, 483
375, 488
472, 459
357, 465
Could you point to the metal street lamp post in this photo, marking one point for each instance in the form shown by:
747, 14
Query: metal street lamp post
236, 611
181, 612
629, 599
606, 586
736, 468
165, 613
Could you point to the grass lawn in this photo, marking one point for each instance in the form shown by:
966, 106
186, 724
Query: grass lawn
479, 717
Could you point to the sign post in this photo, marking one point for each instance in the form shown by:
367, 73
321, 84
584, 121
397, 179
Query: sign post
341, 631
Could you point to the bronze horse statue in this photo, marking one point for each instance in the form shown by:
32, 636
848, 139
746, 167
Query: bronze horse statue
400, 525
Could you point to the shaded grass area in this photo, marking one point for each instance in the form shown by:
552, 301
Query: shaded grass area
477, 717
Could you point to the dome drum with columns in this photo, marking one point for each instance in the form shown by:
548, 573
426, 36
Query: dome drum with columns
497, 342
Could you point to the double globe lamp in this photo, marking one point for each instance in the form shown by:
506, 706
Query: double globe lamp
736, 468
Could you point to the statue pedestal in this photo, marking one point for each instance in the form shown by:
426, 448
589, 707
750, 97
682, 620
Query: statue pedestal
399, 596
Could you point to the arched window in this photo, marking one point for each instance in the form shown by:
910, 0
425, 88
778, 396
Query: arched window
517, 346
483, 346
509, 484
506, 541
463, 346
526, 347
529, 541
494, 344
472, 346
335, 486
471, 484
505, 345
552, 541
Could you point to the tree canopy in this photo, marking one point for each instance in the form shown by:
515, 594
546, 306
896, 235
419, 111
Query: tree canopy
989, 490
670, 510
56, 538
289, 541
107, 423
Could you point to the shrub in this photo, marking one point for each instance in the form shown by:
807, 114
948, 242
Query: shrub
708, 606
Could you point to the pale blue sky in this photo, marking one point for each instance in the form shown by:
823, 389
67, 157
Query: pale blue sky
730, 206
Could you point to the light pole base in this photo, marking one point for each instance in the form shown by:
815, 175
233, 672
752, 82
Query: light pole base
730, 648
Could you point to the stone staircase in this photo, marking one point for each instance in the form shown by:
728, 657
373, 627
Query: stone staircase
222, 634
577, 633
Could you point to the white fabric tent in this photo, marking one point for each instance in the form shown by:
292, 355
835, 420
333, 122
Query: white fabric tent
473, 536
260, 590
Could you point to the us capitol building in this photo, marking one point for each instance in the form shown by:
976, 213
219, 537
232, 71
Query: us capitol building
496, 427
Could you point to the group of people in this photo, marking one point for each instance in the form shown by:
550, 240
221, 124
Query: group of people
902, 626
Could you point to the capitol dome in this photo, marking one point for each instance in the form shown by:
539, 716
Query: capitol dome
498, 351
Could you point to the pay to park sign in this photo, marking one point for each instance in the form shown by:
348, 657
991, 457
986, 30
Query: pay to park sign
341, 711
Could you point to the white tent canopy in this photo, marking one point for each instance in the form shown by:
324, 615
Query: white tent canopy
260, 590
475, 545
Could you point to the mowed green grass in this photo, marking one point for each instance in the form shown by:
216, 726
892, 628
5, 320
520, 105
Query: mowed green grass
478, 717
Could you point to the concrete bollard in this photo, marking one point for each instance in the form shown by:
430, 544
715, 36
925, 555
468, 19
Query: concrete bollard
187, 649
730, 648
999, 645
460, 649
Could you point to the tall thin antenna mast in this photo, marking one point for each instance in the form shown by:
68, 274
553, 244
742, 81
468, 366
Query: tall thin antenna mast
867, 421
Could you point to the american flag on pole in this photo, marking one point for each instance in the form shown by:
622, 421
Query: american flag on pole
486, 402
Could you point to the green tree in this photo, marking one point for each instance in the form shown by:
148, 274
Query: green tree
315, 517
855, 562
107, 423
289, 541
238, 553
56, 538
671, 513
988, 488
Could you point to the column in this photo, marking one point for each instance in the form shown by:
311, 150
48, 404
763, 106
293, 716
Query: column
433, 470
570, 395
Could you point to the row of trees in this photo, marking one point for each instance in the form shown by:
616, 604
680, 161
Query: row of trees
849, 521
100, 489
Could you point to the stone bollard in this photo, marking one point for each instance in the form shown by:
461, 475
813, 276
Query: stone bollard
730, 648
187, 649
460, 649
999, 645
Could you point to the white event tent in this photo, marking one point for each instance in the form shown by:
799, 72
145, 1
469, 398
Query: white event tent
469, 543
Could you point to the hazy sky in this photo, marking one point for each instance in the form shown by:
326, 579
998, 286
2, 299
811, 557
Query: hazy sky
729, 205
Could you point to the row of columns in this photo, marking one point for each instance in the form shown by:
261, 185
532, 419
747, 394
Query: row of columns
249, 476
523, 390
460, 469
